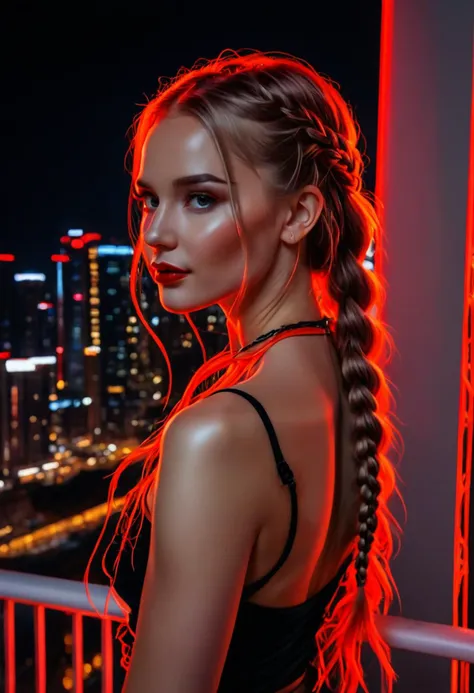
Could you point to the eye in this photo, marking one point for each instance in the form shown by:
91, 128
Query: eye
147, 201
200, 201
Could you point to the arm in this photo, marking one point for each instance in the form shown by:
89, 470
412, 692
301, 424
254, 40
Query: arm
204, 528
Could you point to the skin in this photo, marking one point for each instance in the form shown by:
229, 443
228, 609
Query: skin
220, 514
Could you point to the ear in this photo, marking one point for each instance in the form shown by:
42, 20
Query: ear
304, 211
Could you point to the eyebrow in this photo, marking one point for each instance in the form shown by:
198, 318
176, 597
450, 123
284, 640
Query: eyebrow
185, 181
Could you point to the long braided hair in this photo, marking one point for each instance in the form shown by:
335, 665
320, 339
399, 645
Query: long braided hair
278, 112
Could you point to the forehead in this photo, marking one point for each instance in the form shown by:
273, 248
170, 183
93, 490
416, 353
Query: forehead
179, 145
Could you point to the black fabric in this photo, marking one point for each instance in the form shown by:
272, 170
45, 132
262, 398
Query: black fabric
273, 647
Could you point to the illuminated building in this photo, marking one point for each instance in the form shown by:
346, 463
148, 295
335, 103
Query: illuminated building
72, 282
26, 385
113, 349
7, 270
32, 313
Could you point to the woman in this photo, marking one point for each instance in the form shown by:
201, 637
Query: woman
267, 488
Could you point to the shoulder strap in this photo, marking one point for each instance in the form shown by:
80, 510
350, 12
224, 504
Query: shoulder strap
287, 478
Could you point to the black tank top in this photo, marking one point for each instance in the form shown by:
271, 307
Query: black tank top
271, 647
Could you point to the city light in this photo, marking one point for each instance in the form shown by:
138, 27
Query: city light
86, 401
50, 465
6, 257
30, 277
104, 250
75, 233
89, 237
115, 389
77, 243
60, 258
92, 350
44, 305
28, 471
4, 355
19, 366
42, 360
78, 297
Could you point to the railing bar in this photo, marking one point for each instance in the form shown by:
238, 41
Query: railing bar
77, 653
58, 593
40, 649
9, 634
107, 657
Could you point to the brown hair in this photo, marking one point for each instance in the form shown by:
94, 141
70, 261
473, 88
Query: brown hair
277, 112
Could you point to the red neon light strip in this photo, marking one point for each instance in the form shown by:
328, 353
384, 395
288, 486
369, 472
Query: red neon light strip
460, 670
385, 76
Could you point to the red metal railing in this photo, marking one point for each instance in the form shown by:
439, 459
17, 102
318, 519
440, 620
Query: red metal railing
70, 597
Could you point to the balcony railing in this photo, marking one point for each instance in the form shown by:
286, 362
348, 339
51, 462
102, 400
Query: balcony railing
70, 597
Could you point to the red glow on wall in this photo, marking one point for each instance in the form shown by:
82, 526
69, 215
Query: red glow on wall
65, 239
60, 350
6, 257
78, 297
89, 237
77, 243
60, 258
4, 355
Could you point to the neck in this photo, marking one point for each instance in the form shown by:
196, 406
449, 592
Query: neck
260, 314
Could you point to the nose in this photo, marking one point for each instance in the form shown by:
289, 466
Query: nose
158, 232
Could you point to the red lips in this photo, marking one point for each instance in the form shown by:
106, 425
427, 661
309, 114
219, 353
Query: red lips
166, 267
164, 273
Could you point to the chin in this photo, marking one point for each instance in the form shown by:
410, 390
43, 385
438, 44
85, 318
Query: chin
177, 300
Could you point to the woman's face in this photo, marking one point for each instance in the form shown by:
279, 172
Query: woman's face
187, 218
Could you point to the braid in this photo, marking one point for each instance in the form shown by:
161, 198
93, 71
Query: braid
346, 228
354, 339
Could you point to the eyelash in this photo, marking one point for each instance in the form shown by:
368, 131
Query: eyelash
142, 199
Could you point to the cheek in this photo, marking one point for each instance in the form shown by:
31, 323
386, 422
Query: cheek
218, 245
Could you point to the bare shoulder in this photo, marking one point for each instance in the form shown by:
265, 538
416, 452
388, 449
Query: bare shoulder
212, 440
214, 425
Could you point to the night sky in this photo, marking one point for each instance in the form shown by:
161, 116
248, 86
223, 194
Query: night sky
70, 91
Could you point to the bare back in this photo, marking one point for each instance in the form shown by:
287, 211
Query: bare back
299, 385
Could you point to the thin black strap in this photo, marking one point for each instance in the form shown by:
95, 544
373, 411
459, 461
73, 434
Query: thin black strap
287, 479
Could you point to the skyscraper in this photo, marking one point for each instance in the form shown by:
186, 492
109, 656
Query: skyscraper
32, 327
7, 270
72, 283
112, 350
25, 388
